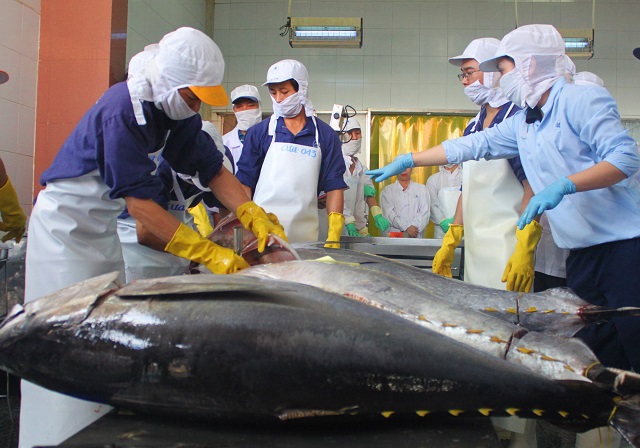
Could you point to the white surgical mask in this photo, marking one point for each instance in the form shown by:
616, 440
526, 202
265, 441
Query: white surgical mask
289, 107
514, 87
352, 147
478, 93
175, 107
249, 117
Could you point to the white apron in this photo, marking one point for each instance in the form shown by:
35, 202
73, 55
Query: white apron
143, 262
491, 200
448, 200
288, 187
65, 248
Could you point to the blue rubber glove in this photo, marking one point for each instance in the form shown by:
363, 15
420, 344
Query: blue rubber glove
351, 229
369, 191
547, 199
445, 223
393, 169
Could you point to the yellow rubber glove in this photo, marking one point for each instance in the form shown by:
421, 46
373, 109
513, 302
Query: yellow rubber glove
261, 223
518, 274
336, 222
187, 243
13, 218
201, 219
364, 231
444, 257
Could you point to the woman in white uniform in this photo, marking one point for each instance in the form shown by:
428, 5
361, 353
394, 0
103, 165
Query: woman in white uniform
290, 158
444, 191
359, 195
105, 164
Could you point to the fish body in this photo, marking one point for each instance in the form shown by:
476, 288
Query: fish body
244, 348
557, 311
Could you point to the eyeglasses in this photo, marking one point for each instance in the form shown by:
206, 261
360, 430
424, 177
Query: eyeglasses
465, 75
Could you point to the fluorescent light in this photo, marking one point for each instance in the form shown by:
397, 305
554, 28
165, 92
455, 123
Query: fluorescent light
578, 43
325, 32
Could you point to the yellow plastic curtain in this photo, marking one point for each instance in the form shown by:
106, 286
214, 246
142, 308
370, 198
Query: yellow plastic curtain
399, 134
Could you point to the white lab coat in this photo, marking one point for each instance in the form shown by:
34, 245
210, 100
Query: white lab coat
232, 141
444, 191
404, 208
354, 201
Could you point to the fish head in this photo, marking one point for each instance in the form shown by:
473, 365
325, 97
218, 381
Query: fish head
62, 309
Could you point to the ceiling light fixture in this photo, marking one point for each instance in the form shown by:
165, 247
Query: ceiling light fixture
327, 32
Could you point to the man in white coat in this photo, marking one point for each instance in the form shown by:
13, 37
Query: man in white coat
406, 205
246, 107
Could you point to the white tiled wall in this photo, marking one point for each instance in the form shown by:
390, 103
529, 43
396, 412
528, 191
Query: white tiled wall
403, 61
149, 20
19, 36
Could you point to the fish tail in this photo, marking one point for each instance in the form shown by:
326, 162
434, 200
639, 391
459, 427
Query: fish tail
593, 314
622, 382
626, 419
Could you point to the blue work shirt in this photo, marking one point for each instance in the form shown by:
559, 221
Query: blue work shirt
188, 190
109, 139
477, 126
580, 127
257, 142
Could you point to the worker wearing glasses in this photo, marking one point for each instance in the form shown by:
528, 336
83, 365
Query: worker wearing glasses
493, 192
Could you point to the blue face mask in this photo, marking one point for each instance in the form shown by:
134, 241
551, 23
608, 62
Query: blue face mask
175, 107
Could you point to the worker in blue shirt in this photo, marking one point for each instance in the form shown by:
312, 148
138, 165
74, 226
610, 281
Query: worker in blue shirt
104, 164
583, 168
291, 157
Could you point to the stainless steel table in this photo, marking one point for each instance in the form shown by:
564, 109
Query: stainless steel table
417, 252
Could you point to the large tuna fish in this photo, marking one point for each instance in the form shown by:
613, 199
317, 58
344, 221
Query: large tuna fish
240, 347
557, 311
553, 356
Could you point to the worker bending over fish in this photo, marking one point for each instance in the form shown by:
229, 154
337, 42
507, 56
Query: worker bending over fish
105, 164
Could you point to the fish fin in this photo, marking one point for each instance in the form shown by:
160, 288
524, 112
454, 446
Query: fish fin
626, 419
330, 260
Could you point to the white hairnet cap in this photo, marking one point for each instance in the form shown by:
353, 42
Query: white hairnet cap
287, 69
539, 56
291, 69
588, 79
189, 58
525, 42
478, 49
352, 123
245, 91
